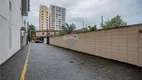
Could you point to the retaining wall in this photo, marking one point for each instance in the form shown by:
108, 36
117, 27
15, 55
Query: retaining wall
122, 44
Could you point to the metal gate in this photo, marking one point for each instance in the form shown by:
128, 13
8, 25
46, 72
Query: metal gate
47, 40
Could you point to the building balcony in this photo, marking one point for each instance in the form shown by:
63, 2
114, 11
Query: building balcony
25, 7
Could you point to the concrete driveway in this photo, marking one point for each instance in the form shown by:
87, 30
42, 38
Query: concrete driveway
48, 62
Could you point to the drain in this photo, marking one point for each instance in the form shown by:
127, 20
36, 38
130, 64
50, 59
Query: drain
71, 61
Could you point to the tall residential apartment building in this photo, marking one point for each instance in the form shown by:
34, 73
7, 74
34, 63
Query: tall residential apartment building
43, 18
57, 17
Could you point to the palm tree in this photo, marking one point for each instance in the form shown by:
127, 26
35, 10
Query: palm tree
68, 28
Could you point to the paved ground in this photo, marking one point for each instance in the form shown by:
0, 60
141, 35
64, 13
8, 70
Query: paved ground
11, 70
53, 63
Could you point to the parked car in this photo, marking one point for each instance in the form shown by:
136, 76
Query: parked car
38, 41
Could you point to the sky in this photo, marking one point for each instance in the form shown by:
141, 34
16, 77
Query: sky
90, 11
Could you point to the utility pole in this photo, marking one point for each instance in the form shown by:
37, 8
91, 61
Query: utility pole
102, 21
83, 24
27, 33
86, 25
30, 35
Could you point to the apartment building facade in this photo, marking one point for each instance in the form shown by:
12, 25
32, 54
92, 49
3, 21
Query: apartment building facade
43, 18
43, 22
57, 17
13, 27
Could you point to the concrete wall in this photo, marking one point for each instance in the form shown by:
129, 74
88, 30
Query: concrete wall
122, 44
10, 25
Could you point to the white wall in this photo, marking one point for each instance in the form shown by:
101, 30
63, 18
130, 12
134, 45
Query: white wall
13, 20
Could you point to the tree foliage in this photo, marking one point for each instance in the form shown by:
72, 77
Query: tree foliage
92, 28
68, 28
31, 31
117, 21
62, 32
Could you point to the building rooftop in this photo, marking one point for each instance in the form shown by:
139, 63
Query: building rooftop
56, 6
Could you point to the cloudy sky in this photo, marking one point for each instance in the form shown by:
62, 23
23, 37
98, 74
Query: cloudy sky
90, 11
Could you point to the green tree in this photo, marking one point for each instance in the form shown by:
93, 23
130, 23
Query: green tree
31, 32
68, 28
62, 32
92, 28
117, 21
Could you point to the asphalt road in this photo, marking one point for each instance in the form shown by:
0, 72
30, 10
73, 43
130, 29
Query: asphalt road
48, 62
